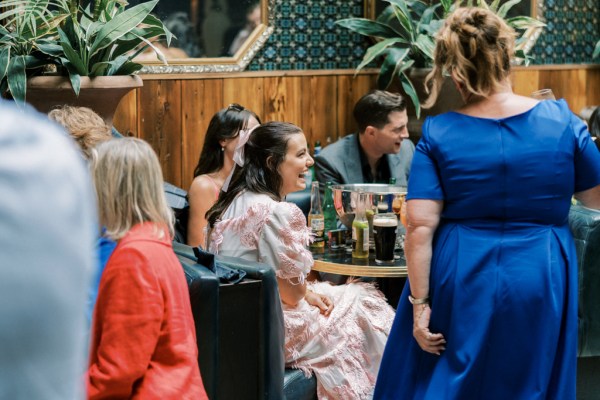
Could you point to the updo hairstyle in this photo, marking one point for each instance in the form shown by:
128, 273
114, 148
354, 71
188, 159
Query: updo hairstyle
474, 46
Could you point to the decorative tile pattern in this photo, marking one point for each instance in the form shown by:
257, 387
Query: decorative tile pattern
573, 28
305, 36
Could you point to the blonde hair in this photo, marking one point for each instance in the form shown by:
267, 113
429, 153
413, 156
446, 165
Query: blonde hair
84, 125
475, 47
129, 187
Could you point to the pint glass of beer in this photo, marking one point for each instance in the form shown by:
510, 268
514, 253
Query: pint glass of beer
384, 230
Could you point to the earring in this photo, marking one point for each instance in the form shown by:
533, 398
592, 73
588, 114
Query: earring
222, 148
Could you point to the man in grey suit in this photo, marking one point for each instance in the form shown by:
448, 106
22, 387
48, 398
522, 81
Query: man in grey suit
379, 151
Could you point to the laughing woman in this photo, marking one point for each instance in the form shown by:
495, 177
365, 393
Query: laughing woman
336, 332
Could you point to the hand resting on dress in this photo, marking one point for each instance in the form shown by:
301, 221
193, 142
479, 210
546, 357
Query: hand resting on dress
430, 342
324, 303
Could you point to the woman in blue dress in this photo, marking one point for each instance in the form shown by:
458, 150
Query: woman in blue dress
491, 261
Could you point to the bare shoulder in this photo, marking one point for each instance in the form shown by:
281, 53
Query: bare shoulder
201, 185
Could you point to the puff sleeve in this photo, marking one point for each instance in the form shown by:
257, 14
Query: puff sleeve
283, 240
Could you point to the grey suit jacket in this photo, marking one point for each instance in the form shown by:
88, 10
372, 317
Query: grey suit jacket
339, 162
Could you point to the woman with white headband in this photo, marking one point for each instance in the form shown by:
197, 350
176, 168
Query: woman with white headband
336, 332
214, 165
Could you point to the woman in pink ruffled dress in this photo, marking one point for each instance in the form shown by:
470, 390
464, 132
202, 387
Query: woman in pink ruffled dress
336, 332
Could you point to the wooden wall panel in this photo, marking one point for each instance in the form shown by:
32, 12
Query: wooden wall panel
126, 119
349, 90
319, 102
248, 92
159, 113
200, 100
281, 99
173, 113
525, 81
592, 83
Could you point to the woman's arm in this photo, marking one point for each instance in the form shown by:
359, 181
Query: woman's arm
590, 198
201, 197
423, 220
291, 291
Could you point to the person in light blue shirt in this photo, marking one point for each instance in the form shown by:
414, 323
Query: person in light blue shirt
47, 233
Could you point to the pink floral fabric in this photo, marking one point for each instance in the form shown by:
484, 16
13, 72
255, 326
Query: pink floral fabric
343, 349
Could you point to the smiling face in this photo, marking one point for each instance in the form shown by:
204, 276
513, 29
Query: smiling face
388, 139
294, 167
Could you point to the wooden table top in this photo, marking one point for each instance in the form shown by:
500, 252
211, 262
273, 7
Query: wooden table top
340, 262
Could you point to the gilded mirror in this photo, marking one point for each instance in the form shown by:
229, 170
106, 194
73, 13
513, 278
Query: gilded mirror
212, 35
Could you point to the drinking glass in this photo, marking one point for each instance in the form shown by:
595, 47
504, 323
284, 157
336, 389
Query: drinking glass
543, 94
397, 206
384, 233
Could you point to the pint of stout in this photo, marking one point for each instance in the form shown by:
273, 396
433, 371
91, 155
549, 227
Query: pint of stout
384, 230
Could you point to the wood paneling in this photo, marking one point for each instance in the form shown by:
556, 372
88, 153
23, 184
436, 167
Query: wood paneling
160, 121
201, 99
172, 113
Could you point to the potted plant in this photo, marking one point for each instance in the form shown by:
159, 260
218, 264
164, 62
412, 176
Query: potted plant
405, 37
73, 42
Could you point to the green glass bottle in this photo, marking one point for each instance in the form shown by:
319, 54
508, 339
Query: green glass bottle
329, 210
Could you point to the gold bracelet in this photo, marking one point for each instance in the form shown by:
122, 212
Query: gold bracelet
414, 301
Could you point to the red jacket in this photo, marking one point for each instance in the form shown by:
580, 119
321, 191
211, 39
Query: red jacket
143, 337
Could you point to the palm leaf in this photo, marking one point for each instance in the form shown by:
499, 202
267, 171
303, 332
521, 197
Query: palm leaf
376, 50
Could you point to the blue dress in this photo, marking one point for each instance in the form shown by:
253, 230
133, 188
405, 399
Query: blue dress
503, 281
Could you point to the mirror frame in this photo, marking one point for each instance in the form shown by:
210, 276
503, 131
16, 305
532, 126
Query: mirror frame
531, 34
237, 63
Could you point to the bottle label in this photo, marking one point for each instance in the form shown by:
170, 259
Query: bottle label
317, 226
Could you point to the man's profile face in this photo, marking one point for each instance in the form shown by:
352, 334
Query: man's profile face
389, 138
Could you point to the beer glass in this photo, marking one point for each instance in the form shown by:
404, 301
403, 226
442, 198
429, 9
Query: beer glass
543, 94
384, 231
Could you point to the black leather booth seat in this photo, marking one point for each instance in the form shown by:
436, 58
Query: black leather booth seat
240, 333
585, 226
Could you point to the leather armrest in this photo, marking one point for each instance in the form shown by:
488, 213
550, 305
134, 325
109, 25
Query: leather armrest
203, 286
585, 226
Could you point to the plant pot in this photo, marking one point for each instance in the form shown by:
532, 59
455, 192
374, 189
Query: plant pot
102, 94
448, 99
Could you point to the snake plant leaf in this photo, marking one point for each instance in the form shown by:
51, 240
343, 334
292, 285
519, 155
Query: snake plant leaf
159, 53
395, 57
410, 91
376, 50
428, 15
447, 6
72, 56
121, 24
403, 15
524, 22
426, 45
74, 77
129, 68
153, 22
17, 78
367, 27
50, 48
505, 8
4, 59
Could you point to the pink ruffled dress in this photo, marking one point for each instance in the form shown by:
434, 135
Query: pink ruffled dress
343, 349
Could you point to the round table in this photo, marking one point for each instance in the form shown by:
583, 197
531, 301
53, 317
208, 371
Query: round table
340, 262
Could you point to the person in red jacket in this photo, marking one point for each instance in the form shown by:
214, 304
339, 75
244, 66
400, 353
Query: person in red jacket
143, 337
